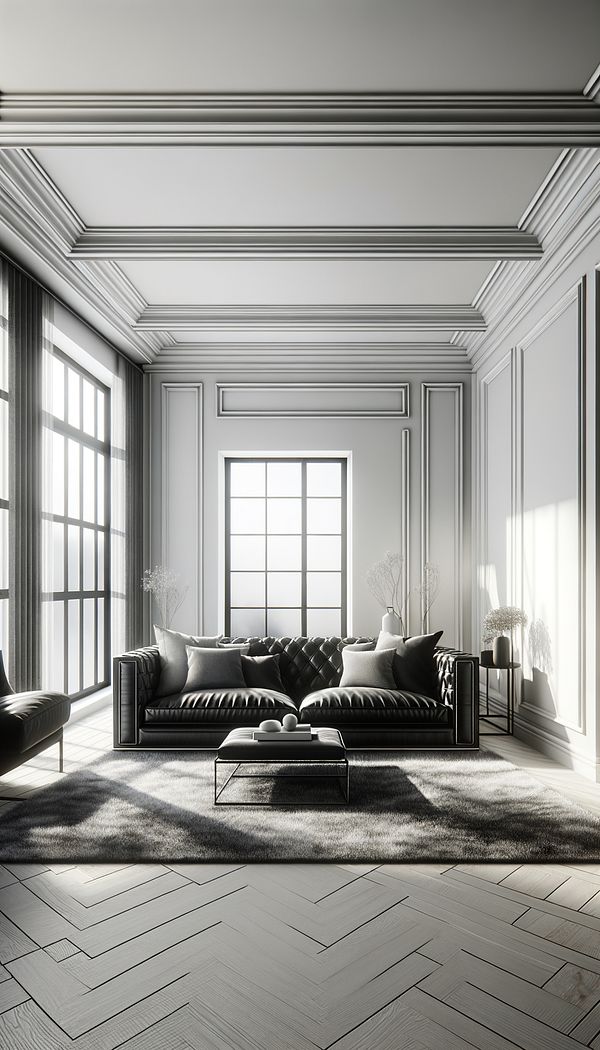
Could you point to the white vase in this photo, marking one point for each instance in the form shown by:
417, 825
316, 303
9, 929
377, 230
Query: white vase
391, 622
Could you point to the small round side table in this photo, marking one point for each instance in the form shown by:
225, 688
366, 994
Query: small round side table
509, 717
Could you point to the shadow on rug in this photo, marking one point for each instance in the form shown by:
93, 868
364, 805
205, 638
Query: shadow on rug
404, 806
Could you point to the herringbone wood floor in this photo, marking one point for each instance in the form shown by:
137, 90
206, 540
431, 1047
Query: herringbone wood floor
292, 957
278, 957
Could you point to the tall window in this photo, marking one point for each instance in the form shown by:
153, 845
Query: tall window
3, 481
76, 523
285, 547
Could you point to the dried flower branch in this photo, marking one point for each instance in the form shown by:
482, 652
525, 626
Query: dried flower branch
386, 581
166, 590
428, 588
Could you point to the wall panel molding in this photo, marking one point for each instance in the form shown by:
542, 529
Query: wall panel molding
428, 493
305, 242
313, 400
182, 472
296, 119
405, 515
576, 295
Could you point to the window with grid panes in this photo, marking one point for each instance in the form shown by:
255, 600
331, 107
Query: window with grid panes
3, 485
285, 547
76, 524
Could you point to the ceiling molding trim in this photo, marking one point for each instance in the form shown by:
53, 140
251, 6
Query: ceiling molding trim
311, 358
570, 212
352, 317
35, 212
295, 119
304, 242
592, 88
216, 365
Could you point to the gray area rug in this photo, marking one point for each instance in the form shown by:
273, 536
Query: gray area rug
405, 806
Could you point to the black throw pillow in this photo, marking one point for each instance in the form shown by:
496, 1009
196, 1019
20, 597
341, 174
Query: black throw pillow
262, 672
414, 667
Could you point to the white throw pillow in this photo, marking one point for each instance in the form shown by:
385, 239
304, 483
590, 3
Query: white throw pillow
173, 658
369, 669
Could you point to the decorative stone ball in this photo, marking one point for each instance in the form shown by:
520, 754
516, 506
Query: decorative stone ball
289, 723
270, 725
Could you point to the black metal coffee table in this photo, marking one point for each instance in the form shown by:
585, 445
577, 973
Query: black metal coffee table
326, 749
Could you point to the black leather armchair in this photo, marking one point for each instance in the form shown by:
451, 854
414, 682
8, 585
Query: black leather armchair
29, 723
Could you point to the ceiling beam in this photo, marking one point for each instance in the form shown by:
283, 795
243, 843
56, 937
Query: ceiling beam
311, 318
294, 119
303, 242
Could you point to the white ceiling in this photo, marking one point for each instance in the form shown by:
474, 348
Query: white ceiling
298, 45
111, 46
120, 186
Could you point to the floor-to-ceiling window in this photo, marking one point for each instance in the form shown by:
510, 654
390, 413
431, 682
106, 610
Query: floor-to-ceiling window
76, 524
3, 474
285, 546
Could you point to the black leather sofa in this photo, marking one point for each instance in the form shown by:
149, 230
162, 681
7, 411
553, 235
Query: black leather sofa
310, 670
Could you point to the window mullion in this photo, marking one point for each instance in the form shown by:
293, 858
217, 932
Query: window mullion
304, 549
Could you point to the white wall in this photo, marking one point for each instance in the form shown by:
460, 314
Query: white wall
409, 469
534, 506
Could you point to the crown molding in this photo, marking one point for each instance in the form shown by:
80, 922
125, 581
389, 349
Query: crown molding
304, 242
592, 88
314, 317
307, 358
42, 220
297, 119
565, 215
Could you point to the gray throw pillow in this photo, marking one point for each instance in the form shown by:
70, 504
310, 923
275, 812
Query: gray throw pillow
360, 647
173, 658
414, 667
369, 669
213, 669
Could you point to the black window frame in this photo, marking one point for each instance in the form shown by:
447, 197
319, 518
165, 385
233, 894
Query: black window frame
102, 676
303, 461
4, 503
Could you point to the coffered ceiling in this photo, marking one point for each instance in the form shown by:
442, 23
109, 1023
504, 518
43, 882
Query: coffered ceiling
197, 178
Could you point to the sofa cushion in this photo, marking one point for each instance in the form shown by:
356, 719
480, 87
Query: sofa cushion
173, 657
306, 664
262, 672
371, 669
213, 669
356, 705
414, 667
28, 718
249, 706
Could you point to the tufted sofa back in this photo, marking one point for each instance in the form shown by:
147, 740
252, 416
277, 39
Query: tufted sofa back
306, 664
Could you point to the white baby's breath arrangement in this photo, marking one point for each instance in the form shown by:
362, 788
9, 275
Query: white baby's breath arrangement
164, 586
499, 621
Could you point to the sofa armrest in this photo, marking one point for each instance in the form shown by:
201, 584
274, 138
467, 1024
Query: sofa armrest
135, 680
458, 688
